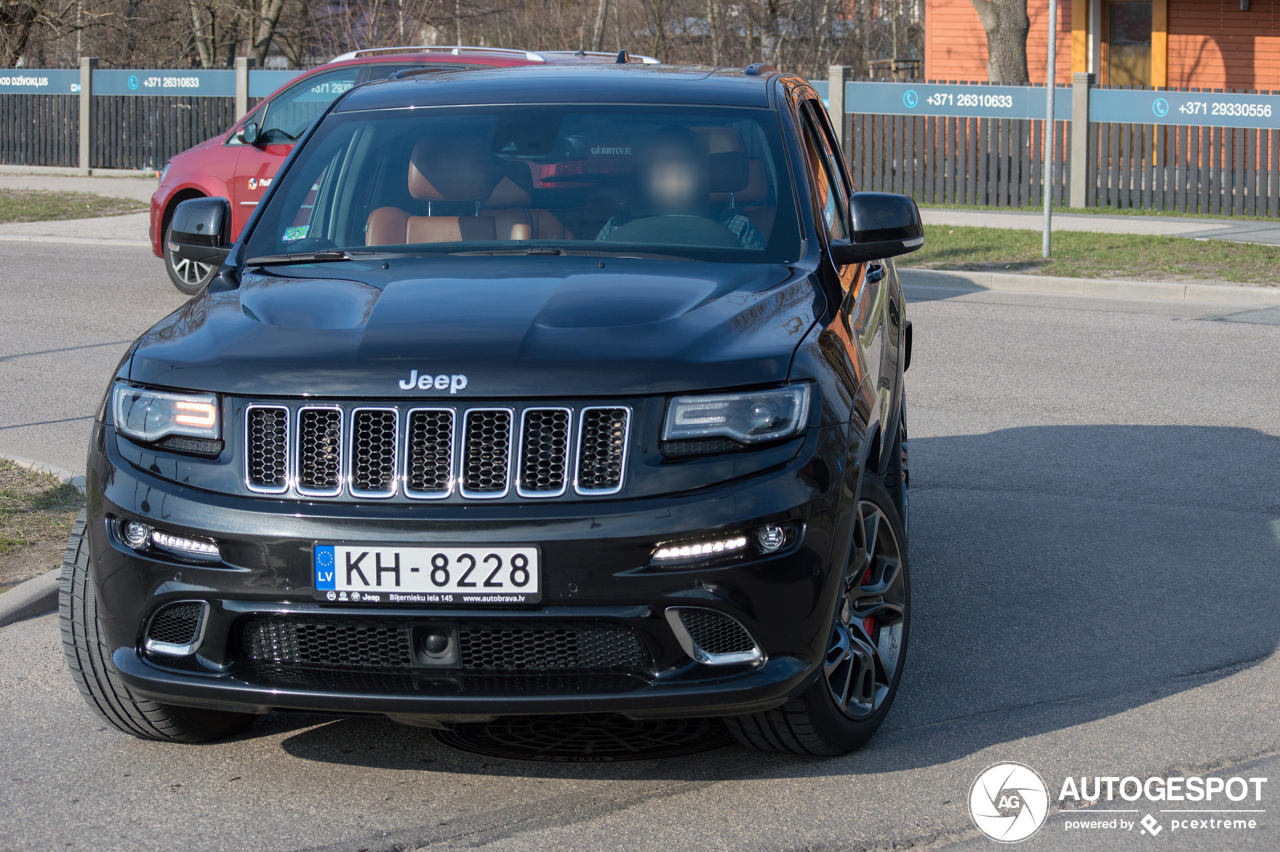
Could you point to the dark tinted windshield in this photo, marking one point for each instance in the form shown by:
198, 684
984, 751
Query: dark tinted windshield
699, 183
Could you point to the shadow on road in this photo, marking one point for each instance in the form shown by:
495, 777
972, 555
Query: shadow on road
1060, 575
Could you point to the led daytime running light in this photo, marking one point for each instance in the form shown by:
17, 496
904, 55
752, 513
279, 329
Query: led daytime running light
705, 548
173, 542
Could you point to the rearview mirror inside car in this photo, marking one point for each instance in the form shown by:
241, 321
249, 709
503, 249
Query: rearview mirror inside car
200, 230
249, 133
884, 225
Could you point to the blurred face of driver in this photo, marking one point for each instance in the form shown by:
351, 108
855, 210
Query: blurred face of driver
673, 177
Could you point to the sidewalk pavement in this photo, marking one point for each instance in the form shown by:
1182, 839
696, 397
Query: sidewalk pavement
127, 230
1239, 231
139, 189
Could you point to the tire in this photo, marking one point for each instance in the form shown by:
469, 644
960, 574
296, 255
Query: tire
899, 479
188, 276
98, 680
816, 722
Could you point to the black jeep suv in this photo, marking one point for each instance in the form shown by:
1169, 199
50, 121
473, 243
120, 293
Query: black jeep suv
531, 391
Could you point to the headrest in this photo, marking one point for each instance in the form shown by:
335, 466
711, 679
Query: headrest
753, 191
508, 194
721, 140
452, 168
729, 172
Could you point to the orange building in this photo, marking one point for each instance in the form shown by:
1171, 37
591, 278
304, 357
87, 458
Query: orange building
1212, 44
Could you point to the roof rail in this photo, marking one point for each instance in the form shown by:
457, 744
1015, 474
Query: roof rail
454, 50
632, 58
757, 69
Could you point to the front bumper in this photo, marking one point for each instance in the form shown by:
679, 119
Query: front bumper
596, 570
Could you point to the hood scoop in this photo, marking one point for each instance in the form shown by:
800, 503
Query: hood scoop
308, 303
618, 301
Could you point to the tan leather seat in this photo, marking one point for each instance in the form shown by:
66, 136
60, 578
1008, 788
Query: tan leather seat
448, 169
509, 207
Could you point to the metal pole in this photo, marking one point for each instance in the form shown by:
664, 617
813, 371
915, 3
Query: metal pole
1050, 87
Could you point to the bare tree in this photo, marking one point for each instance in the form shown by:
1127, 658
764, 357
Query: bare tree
1007, 24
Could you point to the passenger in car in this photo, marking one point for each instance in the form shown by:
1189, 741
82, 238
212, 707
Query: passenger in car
675, 175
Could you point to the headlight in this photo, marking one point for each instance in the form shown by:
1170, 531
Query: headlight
749, 417
164, 173
149, 415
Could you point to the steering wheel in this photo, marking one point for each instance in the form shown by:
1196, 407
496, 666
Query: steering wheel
676, 230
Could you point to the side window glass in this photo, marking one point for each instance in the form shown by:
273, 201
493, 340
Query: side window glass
827, 192
294, 110
823, 122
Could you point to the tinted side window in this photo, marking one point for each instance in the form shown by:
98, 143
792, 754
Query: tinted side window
829, 195
294, 110
823, 121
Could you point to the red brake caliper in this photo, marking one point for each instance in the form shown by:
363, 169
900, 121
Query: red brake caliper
868, 623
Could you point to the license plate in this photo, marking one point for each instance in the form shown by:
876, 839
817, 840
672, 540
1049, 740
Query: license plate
358, 573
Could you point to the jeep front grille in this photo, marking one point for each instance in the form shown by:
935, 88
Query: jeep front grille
486, 452
434, 453
602, 450
319, 451
429, 469
267, 440
544, 452
373, 451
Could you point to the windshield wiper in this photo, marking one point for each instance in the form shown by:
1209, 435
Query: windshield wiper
322, 256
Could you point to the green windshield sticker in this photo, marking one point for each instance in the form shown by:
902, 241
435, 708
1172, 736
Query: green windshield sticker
297, 232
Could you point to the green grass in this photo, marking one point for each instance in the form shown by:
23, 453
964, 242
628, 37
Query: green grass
36, 205
34, 507
1081, 254
1100, 211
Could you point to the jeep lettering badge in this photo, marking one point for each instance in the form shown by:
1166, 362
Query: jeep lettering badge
426, 381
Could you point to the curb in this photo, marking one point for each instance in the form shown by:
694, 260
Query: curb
76, 479
79, 241
75, 171
36, 596
1114, 289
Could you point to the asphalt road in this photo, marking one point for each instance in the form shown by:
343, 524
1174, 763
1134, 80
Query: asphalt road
1095, 545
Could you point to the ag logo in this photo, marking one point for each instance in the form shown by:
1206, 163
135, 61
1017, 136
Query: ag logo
1008, 802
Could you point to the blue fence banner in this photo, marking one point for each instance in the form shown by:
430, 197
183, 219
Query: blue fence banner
263, 83
199, 84
39, 81
958, 100
1135, 106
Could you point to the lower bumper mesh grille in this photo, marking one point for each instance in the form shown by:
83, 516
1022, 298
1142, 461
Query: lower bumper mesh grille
490, 647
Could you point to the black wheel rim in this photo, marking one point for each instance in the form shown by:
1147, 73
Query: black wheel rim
865, 651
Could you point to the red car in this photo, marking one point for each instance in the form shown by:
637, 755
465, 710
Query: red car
239, 165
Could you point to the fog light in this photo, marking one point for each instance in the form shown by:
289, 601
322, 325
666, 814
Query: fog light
771, 537
184, 545
702, 548
135, 534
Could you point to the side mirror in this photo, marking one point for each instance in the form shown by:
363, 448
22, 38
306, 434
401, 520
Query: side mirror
884, 225
249, 133
201, 230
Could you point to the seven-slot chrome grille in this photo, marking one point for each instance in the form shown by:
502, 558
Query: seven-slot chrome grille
478, 452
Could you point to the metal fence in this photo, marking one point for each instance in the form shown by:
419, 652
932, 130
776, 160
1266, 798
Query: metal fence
133, 118
1193, 151
908, 138
144, 132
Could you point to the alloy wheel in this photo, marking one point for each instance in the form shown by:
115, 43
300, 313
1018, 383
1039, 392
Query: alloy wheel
192, 273
865, 650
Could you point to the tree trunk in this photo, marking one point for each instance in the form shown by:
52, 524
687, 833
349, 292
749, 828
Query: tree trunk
16, 21
200, 35
597, 34
271, 10
1006, 23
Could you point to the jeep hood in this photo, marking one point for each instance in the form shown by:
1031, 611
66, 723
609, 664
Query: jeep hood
513, 327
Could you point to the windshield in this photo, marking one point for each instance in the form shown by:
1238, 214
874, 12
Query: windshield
700, 183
